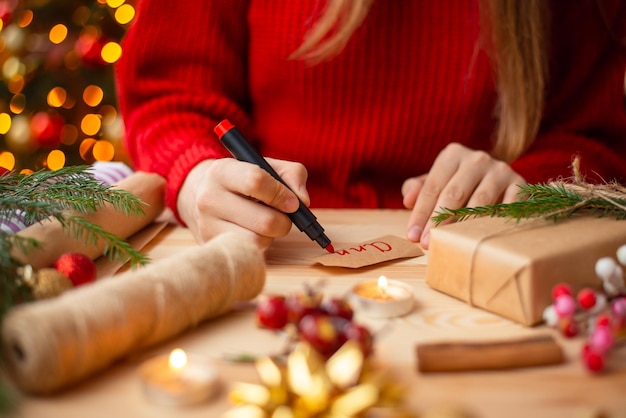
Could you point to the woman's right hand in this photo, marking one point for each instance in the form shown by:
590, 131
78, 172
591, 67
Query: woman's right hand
223, 195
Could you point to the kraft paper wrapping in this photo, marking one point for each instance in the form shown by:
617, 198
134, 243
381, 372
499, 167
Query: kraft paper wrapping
148, 187
50, 344
509, 268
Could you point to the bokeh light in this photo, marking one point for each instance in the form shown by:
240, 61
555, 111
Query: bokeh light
125, 14
57, 97
85, 148
114, 3
111, 52
26, 18
55, 159
90, 125
58, 33
17, 104
93, 95
7, 160
5, 123
103, 151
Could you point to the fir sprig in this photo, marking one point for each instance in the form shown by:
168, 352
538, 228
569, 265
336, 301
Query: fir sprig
550, 200
66, 195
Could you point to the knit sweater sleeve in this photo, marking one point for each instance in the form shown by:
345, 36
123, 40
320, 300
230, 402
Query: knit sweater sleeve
585, 109
183, 66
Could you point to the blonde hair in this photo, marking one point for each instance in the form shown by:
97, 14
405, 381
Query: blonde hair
513, 33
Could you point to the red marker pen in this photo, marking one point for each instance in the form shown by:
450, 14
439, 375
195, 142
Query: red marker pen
303, 218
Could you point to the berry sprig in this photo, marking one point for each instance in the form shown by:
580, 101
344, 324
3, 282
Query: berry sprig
324, 323
599, 315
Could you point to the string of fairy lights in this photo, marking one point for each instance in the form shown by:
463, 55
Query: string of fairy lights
57, 102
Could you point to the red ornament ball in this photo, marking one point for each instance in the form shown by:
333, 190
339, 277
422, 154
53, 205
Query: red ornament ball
586, 298
561, 289
593, 360
79, 268
271, 312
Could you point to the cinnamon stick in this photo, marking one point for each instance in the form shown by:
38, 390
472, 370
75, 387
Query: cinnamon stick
496, 355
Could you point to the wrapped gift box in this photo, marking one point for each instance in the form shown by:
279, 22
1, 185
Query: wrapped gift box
509, 267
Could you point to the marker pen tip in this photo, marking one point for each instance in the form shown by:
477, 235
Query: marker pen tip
330, 248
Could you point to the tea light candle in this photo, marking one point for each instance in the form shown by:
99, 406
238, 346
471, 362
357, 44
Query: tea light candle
177, 379
382, 298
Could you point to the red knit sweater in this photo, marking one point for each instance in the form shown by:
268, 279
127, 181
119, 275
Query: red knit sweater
411, 80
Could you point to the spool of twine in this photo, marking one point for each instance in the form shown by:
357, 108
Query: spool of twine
50, 344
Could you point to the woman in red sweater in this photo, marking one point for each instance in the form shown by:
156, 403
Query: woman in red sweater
362, 103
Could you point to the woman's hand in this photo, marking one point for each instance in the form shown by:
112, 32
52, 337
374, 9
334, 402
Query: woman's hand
228, 195
459, 177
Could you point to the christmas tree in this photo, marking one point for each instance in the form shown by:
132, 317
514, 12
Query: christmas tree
57, 96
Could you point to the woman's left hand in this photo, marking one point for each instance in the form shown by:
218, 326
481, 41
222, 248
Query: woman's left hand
459, 177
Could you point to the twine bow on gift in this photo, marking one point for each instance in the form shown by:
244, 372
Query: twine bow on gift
612, 193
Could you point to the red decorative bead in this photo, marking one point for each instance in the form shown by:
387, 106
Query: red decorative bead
271, 312
594, 361
301, 304
319, 330
569, 327
561, 289
586, 298
77, 267
603, 320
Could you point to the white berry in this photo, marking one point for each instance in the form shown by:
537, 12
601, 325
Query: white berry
621, 254
605, 268
550, 316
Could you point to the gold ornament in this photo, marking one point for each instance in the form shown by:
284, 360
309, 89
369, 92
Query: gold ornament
346, 385
46, 282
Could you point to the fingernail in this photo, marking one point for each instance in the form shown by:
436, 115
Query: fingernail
414, 233
291, 204
425, 238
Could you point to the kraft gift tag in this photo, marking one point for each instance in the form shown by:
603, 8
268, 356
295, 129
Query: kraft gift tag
377, 250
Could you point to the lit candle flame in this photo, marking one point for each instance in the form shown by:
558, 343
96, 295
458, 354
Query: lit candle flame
382, 285
178, 359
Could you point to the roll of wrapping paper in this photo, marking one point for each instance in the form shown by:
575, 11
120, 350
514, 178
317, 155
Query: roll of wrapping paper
51, 344
149, 188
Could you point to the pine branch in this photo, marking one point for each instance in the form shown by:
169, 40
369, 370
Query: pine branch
65, 195
552, 201
115, 248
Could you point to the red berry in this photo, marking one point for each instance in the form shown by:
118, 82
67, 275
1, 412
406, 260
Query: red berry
338, 307
568, 327
586, 298
361, 335
603, 320
301, 304
594, 361
271, 312
561, 289
77, 267
4, 170
321, 333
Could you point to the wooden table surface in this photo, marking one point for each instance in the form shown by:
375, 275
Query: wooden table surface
556, 391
